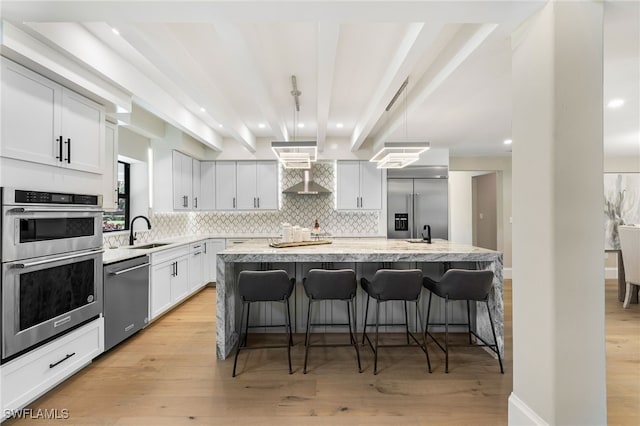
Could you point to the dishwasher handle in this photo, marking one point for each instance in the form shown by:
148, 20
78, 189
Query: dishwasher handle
133, 268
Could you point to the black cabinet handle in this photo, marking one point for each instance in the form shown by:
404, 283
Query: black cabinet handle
68, 150
59, 157
195, 202
62, 360
258, 202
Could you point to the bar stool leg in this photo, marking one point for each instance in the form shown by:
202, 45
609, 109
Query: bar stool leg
290, 339
307, 338
469, 322
406, 320
426, 351
235, 359
351, 335
375, 352
494, 338
364, 328
446, 335
426, 326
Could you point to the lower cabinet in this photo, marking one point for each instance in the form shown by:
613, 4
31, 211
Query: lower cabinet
26, 378
213, 246
196, 266
169, 279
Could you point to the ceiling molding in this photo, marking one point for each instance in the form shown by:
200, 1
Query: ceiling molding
463, 44
328, 36
415, 43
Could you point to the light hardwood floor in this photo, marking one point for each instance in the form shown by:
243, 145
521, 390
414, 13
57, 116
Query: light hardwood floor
168, 375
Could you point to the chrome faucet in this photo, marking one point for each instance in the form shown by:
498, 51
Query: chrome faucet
132, 236
426, 238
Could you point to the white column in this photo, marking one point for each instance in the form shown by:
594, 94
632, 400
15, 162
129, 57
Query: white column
558, 260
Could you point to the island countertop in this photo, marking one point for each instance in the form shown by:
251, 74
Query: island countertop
359, 251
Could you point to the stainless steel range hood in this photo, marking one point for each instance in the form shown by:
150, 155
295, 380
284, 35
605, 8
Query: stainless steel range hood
307, 187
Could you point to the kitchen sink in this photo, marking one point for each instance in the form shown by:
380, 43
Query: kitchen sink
149, 246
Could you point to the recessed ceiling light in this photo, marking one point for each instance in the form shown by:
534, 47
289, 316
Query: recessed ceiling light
220, 125
615, 103
202, 109
115, 31
300, 125
261, 125
339, 125
508, 141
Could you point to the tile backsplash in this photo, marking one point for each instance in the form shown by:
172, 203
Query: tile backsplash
296, 209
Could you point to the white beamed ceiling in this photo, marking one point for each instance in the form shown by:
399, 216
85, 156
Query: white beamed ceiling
236, 59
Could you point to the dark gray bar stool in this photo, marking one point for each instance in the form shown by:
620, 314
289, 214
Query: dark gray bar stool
326, 284
387, 285
461, 284
263, 286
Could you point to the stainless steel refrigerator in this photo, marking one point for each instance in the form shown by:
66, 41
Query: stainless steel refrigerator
417, 196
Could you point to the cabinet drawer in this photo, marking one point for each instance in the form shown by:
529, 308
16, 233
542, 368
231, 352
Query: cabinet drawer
26, 378
169, 254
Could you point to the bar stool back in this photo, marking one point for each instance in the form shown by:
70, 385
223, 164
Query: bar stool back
326, 284
387, 285
462, 284
263, 286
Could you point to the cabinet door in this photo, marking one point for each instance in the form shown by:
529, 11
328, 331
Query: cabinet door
30, 116
267, 185
348, 185
225, 185
370, 186
180, 281
110, 175
213, 247
195, 184
160, 288
246, 184
182, 185
196, 265
207, 185
82, 132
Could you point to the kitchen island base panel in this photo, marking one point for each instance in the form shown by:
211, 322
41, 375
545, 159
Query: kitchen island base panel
365, 257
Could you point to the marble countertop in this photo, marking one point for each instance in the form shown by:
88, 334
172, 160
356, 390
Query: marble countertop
359, 249
129, 252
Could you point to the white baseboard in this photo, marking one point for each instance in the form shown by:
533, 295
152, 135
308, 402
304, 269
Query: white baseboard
507, 273
611, 273
520, 414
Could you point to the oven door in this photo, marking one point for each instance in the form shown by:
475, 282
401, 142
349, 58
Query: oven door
46, 297
30, 232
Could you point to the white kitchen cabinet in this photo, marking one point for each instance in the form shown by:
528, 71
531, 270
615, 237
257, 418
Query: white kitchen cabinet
45, 123
225, 181
110, 175
359, 186
196, 266
213, 246
31, 375
195, 184
207, 185
257, 185
182, 181
169, 279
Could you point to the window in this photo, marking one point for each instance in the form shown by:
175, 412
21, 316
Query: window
119, 220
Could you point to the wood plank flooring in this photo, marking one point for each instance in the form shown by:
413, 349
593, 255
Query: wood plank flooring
169, 375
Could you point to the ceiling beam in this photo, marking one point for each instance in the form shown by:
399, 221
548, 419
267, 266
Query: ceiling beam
192, 84
253, 76
328, 35
463, 44
417, 39
77, 41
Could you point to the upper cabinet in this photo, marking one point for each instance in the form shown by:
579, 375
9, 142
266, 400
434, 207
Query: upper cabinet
182, 181
45, 123
110, 175
246, 185
196, 184
359, 186
257, 185
207, 185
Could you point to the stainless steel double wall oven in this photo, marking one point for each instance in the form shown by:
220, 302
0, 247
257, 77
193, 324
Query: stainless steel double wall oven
51, 266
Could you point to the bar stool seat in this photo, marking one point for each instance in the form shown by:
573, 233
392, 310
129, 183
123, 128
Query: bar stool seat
263, 286
467, 285
326, 284
388, 285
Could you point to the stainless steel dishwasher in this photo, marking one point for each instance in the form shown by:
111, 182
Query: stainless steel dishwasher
126, 299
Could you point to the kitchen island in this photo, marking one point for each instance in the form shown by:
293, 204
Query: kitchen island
365, 255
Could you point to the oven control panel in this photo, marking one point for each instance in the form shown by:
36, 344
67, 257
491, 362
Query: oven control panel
37, 197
